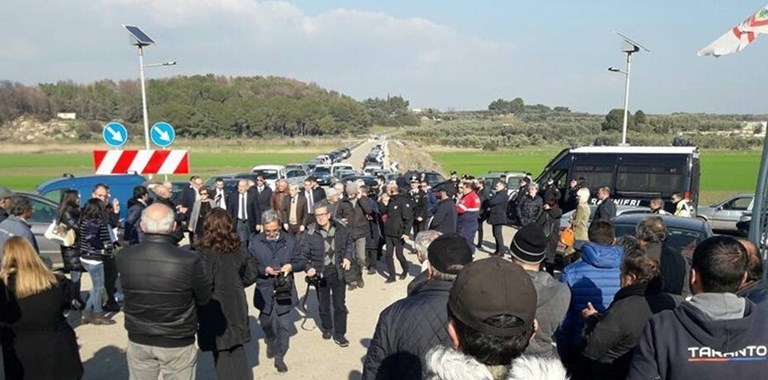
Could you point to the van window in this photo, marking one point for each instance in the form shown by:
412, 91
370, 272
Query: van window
657, 178
596, 175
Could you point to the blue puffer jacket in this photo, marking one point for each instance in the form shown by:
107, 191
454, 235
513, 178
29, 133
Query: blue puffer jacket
593, 278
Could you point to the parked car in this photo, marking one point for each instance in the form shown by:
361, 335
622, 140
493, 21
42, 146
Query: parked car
305, 167
324, 158
723, 215
335, 168
323, 174
683, 234
433, 177
120, 187
295, 176
271, 173
743, 224
513, 179
367, 180
371, 169
43, 212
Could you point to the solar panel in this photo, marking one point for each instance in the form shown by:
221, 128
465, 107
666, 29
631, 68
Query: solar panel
140, 38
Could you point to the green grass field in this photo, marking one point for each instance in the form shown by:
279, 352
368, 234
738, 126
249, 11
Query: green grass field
26, 171
722, 172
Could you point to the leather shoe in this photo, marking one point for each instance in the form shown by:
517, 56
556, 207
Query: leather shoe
403, 275
326, 335
360, 283
280, 365
101, 320
390, 280
352, 286
341, 341
371, 270
112, 307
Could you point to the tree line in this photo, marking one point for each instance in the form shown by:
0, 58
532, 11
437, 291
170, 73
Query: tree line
209, 105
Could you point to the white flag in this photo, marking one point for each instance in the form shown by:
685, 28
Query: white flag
740, 36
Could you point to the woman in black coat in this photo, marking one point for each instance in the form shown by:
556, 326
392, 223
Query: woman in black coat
549, 221
69, 215
612, 337
498, 215
224, 320
37, 341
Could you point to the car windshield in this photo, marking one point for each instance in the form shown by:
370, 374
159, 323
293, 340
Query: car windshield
322, 170
268, 174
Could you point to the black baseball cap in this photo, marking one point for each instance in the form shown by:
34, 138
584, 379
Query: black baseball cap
491, 287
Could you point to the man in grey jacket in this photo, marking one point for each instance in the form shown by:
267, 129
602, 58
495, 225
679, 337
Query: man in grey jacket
16, 224
528, 251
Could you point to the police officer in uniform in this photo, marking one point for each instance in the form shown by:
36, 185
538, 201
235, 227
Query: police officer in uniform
418, 202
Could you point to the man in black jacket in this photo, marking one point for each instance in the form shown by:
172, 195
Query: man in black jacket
263, 194
354, 211
328, 248
606, 209
162, 284
446, 215
408, 328
244, 210
714, 335
399, 218
419, 206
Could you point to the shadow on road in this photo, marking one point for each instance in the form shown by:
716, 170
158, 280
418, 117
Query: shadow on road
107, 363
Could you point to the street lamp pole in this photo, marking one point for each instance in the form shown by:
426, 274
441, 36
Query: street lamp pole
626, 99
144, 99
628, 47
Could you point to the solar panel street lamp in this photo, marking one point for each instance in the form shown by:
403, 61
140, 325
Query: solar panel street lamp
140, 39
628, 47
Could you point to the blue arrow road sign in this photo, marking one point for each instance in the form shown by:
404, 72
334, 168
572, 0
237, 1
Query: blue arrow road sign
115, 134
162, 134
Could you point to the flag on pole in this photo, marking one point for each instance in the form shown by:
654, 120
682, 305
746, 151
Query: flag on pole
740, 36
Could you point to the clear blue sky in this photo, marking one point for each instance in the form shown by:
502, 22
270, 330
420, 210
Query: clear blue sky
443, 54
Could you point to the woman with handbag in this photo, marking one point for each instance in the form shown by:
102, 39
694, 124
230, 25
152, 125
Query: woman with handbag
94, 245
579, 222
224, 321
68, 216
37, 341
200, 210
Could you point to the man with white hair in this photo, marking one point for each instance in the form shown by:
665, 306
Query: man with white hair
421, 242
160, 311
354, 212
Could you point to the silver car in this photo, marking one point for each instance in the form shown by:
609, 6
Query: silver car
723, 215
44, 211
565, 220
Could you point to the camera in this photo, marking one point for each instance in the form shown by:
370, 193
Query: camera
314, 280
283, 288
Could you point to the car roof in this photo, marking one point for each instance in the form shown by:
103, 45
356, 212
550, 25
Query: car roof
36, 197
637, 149
670, 221
268, 167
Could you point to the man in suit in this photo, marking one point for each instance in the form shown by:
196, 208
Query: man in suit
295, 210
263, 194
220, 194
243, 209
188, 196
313, 194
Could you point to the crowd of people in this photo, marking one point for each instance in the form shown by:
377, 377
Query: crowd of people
621, 308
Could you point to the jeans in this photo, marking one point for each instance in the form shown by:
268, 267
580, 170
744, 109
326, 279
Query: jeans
395, 247
148, 362
232, 364
360, 254
332, 289
499, 237
97, 278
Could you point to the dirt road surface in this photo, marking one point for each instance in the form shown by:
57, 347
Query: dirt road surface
102, 348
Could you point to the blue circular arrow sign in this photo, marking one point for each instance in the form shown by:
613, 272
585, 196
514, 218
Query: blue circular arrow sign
115, 134
162, 134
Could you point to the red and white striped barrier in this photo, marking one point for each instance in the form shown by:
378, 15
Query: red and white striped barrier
141, 161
